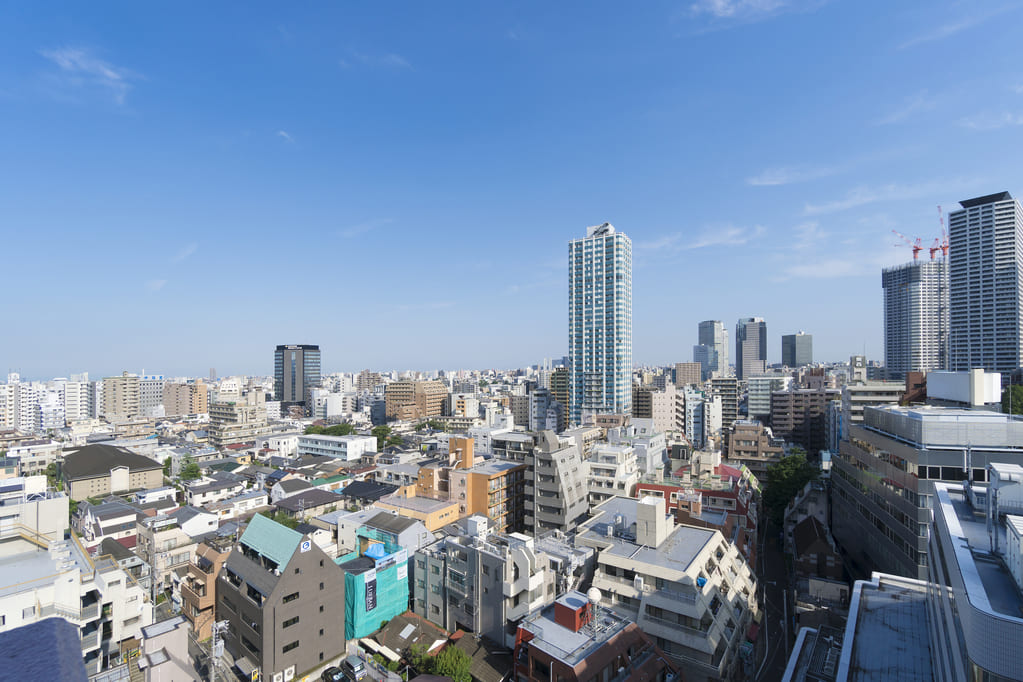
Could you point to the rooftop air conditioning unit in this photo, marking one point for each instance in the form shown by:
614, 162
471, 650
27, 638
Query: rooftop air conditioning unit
637, 582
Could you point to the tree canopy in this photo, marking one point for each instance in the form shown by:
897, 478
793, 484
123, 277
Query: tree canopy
784, 479
450, 662
1012, 400
342, 429
281, 518
190, 470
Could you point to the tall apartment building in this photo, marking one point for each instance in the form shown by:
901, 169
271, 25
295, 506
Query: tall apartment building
556, 489
800, 416
559, 385
296, 371
758, 396
754, 445
121, 397
750, 347
667, 408
367, 380
712, 350
986, 284
857, 397
545, 412
916, 317
688, 373
414, 400
182, 399
728, 389
797, 349
600, 323
883, 478
238, 421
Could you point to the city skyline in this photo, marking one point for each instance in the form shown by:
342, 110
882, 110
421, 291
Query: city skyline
137, 181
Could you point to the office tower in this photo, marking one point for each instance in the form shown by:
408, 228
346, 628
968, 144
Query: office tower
797, 349
600, 323
713, 336
915, 317
688, 373
296, 371
986, 284
750, 347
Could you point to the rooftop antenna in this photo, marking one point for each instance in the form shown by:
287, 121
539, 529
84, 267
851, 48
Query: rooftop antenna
594, 596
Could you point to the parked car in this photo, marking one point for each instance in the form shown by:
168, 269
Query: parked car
332, 674
354, 668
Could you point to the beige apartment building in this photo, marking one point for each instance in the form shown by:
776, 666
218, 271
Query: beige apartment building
121, 397
412, 400
180, 399
238, 421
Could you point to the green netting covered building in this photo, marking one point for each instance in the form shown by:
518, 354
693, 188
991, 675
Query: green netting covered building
376, 583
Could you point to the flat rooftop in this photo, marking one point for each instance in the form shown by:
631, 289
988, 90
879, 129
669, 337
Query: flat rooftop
887, 630
420, 504
564, 644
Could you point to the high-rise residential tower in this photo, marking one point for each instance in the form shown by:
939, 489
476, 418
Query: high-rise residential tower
986, 284
750, 347
600, 323
712, 350
797, 349
915, 317
296, 371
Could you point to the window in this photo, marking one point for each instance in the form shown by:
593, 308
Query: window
321, 633
321, 566
321, 608
289, 647
230, 605
321, 653
321, 586
290, 597
297, 570
288, 623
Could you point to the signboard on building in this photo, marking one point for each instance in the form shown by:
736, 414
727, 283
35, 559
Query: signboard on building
371, 589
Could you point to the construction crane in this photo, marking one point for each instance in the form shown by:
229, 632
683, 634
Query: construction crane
917, 246
935, 247
944, 235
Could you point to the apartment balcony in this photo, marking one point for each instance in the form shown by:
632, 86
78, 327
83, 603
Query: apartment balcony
90, 612
523, 584
196, 594
91, 640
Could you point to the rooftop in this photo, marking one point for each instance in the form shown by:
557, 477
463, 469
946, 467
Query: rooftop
420, 504
562, 643
271, 539
98, 459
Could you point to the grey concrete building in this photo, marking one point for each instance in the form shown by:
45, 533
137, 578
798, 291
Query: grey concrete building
556, 490
797, 349
916, 313
283, 599
884, 475
750, 347
296, 371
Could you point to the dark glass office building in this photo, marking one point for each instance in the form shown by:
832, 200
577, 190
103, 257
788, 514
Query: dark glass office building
296, 371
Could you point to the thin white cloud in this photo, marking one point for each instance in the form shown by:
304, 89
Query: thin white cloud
914, 104
727, 235
862, 196
952, 28
80, 69
722, 13
283, 134
156, 284
185, 252
391, 60
809, 235
1018, 88
363, 228
788, 175
988, 121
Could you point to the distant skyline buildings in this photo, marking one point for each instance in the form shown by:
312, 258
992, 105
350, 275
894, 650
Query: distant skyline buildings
916, 296
600, 323
750, 347
711, 350
296, 372
797, 349
986, 284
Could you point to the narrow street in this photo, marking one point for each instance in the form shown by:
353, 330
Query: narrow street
774, 582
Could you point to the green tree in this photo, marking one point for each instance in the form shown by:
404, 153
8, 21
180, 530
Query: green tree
314, 429
167, 467
381, 432
281, 518
784, 479
395, 440
51, 476
1012, 400
190, 471
454, 663
343, 429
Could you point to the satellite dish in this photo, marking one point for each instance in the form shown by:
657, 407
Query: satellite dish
594, 595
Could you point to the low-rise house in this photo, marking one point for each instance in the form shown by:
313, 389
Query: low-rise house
167, 543
112, 519
814, 551
309, 503
287, 488
214, 488
199, 584
239, 505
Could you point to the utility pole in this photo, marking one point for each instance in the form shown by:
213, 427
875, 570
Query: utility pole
216, 647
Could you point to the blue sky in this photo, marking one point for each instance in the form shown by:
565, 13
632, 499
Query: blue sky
184, 186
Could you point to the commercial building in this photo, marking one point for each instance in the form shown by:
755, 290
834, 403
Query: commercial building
758, 395
575, 640
296, 372
750, 347
600, 323
986, 284
712, 350
688, 588
916, 317
280, 595
797, 349
884, 475
856, 397
99, 470
414, 400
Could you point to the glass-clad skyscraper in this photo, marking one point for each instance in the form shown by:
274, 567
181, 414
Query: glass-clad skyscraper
600, 323
296, 371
